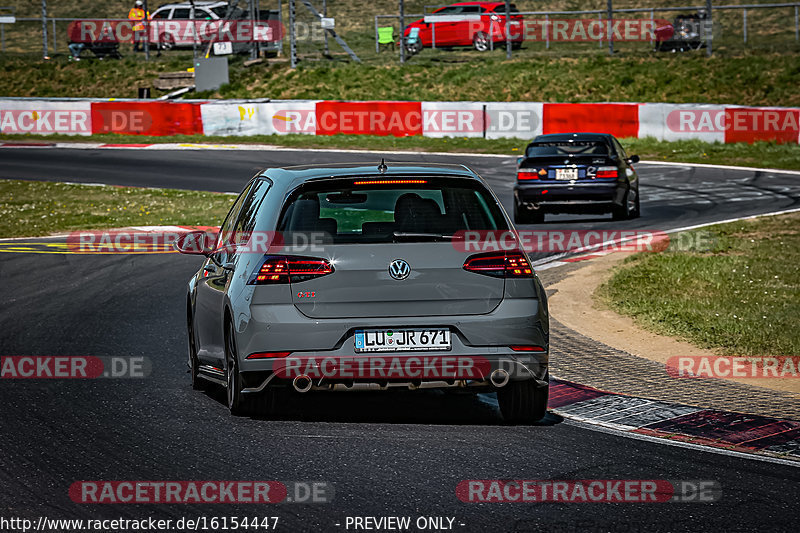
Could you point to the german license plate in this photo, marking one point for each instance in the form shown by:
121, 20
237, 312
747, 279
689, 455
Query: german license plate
401, 340
566, 173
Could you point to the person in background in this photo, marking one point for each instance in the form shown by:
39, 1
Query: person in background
137, 15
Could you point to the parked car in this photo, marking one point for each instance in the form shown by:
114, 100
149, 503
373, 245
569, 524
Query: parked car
476, 24
387, 280
575, 173
172, 25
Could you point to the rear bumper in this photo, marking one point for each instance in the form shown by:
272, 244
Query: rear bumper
493, 369
484, 338
569, 198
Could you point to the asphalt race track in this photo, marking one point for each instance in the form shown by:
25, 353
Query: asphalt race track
399, 454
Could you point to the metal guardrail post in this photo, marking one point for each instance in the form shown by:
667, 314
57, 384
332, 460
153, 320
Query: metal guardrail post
609, 26
146, 32
433, 35
652, 25
54, 34
377, 44
744, 25
44, 29
796, 24
292, 36
709, 29
324, 33
508, 30
547, 32
402, 32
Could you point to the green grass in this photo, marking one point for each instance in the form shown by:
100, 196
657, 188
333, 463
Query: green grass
751, 79
31, 208
762, 154
742, 297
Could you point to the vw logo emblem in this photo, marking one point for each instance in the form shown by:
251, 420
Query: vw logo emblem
399, 269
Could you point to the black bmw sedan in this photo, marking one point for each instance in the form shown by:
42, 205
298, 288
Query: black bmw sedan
575, 173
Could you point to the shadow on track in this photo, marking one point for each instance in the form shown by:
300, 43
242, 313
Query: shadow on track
432, 407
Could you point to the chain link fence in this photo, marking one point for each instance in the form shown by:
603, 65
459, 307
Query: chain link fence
341, 30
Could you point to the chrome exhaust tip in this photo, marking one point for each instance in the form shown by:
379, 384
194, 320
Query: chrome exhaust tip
499, 378
302, 383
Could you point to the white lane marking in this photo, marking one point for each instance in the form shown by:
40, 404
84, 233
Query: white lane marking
539, 264
270, 147
723, 167
680, 444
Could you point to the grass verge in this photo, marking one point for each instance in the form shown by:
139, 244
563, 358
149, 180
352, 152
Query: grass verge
762, 154
755, 78
743, 296
36, 208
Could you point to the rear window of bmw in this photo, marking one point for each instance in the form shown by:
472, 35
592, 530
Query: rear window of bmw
567, 148
391, 209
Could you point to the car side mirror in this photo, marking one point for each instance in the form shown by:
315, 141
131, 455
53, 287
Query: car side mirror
195, 243
633, 159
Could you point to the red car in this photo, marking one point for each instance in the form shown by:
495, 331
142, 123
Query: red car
469, 24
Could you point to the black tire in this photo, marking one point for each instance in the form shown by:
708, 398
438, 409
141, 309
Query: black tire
627, 210
198, 383
637, 210
237, 401
516, 45
522, 402
526, 216
414, 48
166, 41
480, 41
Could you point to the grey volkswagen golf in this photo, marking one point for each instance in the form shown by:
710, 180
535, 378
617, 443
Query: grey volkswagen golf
355, 277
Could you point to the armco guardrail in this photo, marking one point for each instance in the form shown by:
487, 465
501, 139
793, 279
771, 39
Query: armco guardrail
490, 120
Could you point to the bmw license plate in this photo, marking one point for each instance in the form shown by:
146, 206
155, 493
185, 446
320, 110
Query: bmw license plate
401, 340
566, 173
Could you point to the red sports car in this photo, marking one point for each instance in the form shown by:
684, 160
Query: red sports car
475, 24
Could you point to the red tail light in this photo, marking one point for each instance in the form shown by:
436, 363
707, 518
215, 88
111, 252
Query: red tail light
527, 174
606, 172
526, 348
267, 355
511, 264
290, 269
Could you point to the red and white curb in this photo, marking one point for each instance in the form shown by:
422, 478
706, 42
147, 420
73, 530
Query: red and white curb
726, 430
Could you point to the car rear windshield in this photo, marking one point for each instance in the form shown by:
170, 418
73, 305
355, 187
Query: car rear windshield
567, 148
384, 210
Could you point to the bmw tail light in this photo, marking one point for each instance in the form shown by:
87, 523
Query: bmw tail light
511, 264
606, 172
278, 269
527, 174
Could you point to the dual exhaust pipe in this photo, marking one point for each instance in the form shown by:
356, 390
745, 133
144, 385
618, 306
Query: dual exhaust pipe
499, 378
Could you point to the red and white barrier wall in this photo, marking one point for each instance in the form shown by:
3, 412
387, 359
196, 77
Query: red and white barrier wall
491, 120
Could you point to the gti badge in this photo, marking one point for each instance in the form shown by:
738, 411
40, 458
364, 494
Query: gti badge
399, 269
